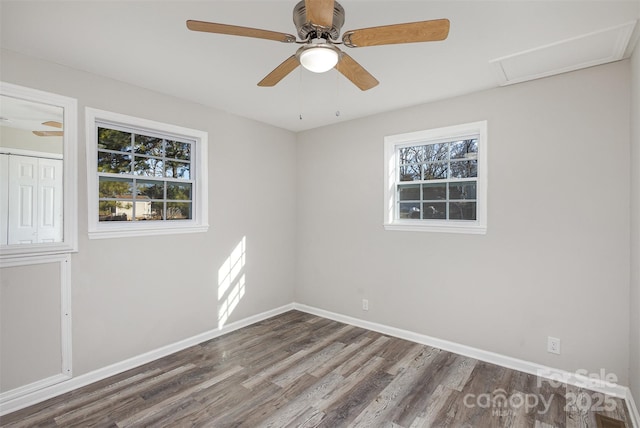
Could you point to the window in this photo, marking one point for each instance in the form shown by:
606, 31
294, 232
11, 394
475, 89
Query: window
145, 177
435, 180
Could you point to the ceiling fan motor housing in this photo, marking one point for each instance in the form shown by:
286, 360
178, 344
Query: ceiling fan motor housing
306, 29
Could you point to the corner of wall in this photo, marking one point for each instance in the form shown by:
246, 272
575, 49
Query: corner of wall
634, 321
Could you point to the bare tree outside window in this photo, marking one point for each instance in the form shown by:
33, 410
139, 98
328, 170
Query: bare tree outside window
431, 185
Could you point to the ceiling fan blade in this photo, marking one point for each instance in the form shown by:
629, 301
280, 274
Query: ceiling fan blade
48, 133
234, 30
279, 73
53, 123
423, 31
355, 72
320, 12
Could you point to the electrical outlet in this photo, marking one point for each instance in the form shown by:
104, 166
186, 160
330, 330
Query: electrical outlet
365, 305
553, 345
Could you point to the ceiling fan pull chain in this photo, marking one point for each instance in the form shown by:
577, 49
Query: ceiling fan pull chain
337, 94
300, 92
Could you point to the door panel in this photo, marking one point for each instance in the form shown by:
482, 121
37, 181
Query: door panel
35, 195
22, 193
50, 200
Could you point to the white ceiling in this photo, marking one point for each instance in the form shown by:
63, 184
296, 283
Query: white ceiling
146, 43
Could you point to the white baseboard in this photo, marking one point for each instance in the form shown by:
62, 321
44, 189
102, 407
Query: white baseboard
33, 387
550, 373
30, 397
20, 398
633, 409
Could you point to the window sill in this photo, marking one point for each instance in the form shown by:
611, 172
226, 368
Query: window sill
35, 250
412, 226
118, 231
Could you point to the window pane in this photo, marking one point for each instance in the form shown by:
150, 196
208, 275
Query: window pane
462, 210
413, 154
467, 149
114, 187
434, 210
410, 210
150, 146
180, 191
436, 152
178, 170
464, 169
149, 167
149, 189
143, 209
178, 150
111, 139
463, 190
157, 211
114, 163
409, 193
410, 173
150, 211
434, 191
178, 210
435, 171
115, 210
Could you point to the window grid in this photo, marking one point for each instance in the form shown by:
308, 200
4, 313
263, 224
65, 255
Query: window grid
432, 166
131, 204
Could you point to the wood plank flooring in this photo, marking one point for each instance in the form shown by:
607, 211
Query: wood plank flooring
299, 370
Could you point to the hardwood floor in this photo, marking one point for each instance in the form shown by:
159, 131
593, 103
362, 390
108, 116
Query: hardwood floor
299, 370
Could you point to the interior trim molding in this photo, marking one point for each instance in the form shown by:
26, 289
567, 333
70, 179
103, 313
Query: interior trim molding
32, 153
550, 373
33, 387
76, 382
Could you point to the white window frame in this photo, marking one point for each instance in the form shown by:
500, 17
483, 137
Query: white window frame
199, 221
393, 143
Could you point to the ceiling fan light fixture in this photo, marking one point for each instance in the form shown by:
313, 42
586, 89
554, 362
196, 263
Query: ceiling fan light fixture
319, 57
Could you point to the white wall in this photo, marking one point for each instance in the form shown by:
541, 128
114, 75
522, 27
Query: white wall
133, 295
555, 260
634, 295
30, 335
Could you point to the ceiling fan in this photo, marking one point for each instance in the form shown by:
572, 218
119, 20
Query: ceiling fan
318, 23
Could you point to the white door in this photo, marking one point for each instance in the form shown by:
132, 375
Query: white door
35, 200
